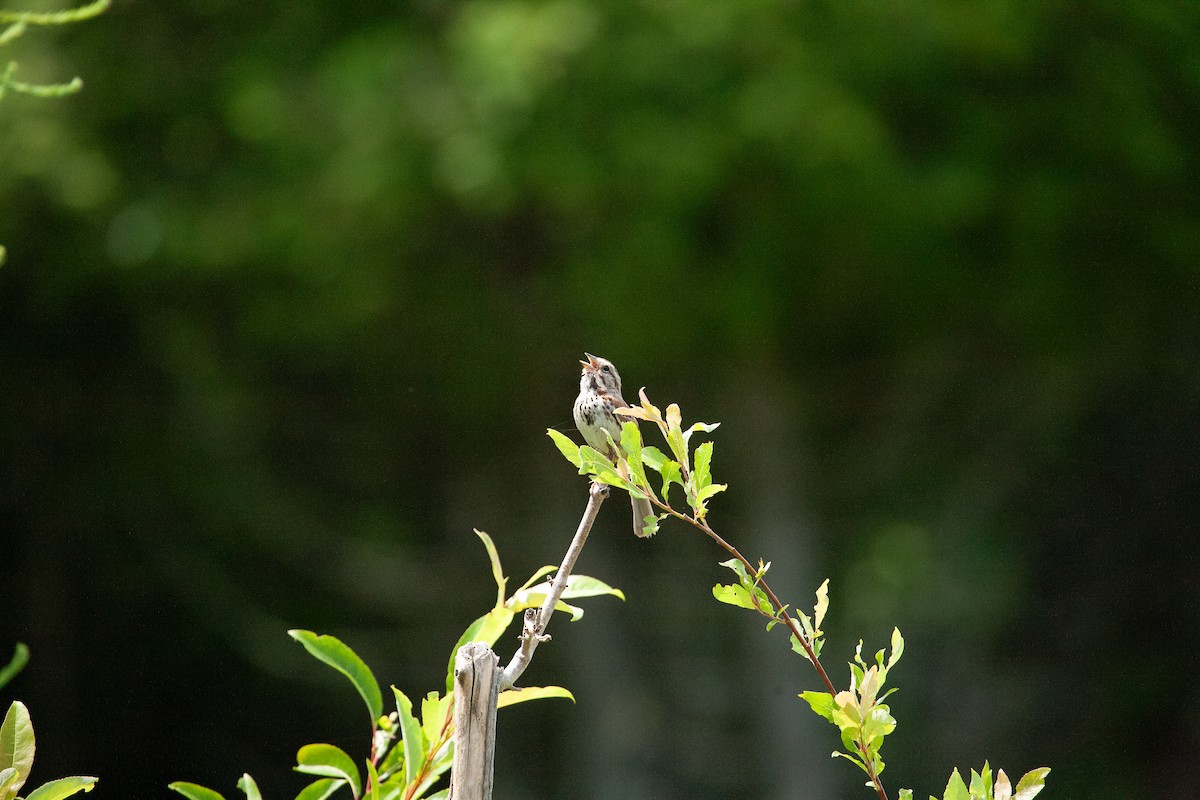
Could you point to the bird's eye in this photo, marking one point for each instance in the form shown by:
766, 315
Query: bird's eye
606, 368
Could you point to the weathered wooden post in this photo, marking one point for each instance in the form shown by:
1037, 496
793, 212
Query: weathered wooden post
476, 686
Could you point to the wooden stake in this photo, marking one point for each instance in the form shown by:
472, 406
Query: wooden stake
476, 686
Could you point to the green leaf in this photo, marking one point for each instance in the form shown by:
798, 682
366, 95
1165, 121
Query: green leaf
905, 794
63, 787
597, 465
955, 788
853, 759
8, 776
1031, 783
654, 458
497, 571
897, 647
577, 586
569, 449
17, 743
631, 443
796, 646
734, 595
535, 577
194, 791
486, 629
748, 594
699, 426
701, 465
709, 491
321, 790
671, 473
433, 715
821, 703
249, 787
16, 663
57, 17
591, 456
878, 724
587, 586
372, 782
329, 761
675, 433
610, 477
333, 652
737, 566
513, 696
980, 787
414, 740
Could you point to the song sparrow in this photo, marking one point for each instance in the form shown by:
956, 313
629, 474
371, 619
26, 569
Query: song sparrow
599, 395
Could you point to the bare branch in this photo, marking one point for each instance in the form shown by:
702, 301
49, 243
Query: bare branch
534, 627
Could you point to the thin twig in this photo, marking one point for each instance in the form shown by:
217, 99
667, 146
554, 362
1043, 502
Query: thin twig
534, 630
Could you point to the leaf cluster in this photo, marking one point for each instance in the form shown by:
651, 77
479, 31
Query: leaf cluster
859, 712
17, 746
748, 593
691, 472
983, 787
18, 22
16, 760
412, 747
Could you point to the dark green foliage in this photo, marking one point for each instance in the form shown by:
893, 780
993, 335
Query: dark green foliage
292, 289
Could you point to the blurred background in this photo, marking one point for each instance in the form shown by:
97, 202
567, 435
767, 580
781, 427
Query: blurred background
294, 289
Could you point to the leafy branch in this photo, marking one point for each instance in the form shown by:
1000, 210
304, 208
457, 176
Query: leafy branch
412, 747
859, 713
18, 22
17, 746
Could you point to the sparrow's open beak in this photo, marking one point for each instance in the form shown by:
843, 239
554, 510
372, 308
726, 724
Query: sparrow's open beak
590, 363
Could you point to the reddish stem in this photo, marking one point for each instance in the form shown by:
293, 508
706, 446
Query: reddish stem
428, 762
787, 618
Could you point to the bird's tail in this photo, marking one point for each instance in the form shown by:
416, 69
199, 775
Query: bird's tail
641, 510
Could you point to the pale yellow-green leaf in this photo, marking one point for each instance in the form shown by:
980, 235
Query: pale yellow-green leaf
636, 413
372, 792
587, 586
194, 791
1031, 783
65, 787
497, 570
541, 573
513, 696
434, 712
414, 739
569, 449
17, 745
249, 787
329, 761
897, 647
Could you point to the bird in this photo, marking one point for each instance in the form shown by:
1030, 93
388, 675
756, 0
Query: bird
599, 397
